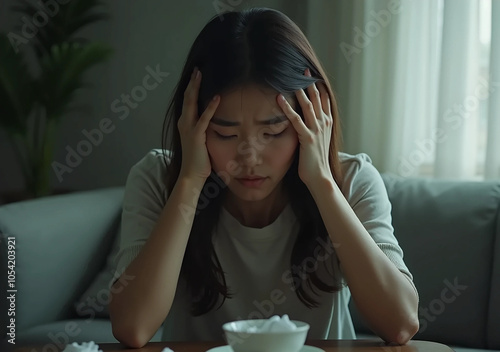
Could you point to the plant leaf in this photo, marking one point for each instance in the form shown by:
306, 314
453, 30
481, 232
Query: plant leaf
16, 89
63, 24
62, 72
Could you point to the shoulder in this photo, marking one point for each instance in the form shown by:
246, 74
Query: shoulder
352, 163
149, 173
153, 164
154, 159
359, 176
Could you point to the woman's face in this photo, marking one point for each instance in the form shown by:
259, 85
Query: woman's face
250, 136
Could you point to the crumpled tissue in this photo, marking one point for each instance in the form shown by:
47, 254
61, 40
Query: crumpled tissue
84, 347
92, 347
275, 324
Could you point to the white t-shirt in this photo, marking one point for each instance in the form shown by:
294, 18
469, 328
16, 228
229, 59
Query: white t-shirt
257, 260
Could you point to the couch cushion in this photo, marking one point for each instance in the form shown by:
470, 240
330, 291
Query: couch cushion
94, 301
447, 231
61, 244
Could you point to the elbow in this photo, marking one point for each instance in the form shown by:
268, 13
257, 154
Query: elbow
405, 332
130, 329
129, 336
123, 330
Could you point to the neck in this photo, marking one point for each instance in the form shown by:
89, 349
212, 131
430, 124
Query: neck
257, 214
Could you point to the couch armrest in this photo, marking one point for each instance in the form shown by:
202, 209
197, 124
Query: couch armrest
61, 243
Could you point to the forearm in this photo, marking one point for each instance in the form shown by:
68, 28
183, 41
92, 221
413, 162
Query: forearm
139, 308
383, 295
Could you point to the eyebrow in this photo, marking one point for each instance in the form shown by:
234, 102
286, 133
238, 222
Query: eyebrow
226, 123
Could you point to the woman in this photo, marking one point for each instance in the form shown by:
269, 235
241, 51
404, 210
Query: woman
255, 211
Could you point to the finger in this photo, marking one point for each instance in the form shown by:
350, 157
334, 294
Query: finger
292, 115
207, 115
190, 103
314, 97
307, 109
325, 100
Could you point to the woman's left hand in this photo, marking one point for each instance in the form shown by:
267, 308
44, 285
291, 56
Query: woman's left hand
314, 133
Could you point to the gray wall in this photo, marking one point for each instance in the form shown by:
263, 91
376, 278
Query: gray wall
145, 33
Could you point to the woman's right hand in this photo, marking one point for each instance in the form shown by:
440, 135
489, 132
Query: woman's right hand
192, 128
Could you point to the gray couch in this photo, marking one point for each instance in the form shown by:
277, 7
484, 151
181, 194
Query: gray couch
449, 231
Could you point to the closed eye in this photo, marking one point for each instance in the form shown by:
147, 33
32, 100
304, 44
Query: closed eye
221, 136
274, 135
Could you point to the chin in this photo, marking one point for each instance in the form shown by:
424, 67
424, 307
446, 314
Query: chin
249, 194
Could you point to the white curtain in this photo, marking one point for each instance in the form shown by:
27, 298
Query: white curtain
492, 169
418, 89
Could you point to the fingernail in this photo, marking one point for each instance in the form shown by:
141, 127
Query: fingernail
282, 97
308, 73
198, 74
215, 97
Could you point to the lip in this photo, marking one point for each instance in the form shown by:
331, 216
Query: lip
252, 182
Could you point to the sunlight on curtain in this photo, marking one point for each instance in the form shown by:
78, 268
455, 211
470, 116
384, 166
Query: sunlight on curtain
460, 91
492, 168
415, 85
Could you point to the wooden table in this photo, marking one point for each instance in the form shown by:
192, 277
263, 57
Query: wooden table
327, 345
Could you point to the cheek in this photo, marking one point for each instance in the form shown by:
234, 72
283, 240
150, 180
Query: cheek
218, 153
291, 146
289, 141
283, 150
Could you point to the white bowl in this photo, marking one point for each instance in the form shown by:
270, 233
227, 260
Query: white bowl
241, 340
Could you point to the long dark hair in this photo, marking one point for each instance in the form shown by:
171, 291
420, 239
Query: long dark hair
259, 46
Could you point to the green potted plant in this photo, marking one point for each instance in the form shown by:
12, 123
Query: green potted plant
32, 105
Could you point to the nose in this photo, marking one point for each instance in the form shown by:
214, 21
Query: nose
250, 153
